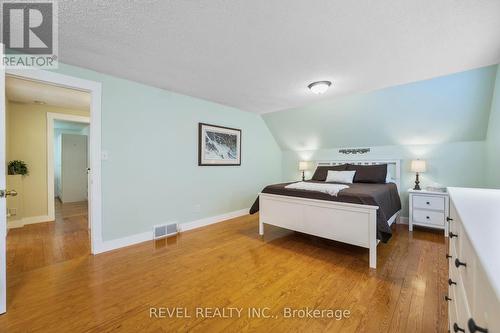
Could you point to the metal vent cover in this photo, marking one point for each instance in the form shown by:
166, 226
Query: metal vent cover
164, 230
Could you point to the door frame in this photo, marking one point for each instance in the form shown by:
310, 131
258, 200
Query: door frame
51, 117
3, 183
95, 90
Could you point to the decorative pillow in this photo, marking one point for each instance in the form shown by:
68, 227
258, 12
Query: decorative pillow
322, 171
376, 173
344, 177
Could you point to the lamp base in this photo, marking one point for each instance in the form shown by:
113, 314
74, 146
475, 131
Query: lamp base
417, 184
303, 175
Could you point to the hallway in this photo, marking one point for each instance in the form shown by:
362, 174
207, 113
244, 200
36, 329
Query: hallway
42, 244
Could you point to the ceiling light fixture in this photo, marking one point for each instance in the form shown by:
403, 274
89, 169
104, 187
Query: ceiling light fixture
39, 102
319, 87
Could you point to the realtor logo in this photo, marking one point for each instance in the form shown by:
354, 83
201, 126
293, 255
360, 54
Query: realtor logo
29, 33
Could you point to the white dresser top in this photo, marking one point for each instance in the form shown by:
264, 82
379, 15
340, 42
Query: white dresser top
479, 211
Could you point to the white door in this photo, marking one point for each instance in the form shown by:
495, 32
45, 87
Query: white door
74, 179
3, 202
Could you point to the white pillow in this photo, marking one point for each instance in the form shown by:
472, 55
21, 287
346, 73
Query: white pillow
344, 177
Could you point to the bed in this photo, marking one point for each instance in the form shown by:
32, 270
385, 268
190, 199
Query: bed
360, 215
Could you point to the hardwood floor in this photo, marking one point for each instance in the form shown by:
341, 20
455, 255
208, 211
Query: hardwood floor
41, 244
228, 265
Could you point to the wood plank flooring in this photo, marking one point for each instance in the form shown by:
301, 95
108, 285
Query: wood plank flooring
41, 244
228, 265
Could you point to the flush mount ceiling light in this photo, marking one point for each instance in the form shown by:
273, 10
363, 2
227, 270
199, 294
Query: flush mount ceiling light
319, 87
39, 102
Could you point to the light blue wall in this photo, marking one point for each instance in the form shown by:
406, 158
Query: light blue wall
152, 174
445, 109
442, 120
493, 138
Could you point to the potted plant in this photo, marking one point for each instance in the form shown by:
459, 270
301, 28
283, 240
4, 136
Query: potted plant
17, 167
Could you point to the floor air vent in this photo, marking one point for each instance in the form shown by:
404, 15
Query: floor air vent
165, 230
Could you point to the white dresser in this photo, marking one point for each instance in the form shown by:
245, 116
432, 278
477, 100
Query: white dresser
474, 260
428, 209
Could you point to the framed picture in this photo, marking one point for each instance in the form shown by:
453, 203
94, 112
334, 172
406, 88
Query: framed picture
218, 145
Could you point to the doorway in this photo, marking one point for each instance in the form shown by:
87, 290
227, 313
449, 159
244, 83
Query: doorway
47, 131
94, 237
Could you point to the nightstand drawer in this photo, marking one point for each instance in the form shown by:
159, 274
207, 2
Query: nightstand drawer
428, 217
428, 202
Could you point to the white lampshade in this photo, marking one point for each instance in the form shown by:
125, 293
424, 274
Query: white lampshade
303, 165
418, 166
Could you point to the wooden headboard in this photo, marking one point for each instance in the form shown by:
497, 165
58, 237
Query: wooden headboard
393, 167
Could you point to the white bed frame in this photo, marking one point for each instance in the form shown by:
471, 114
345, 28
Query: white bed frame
344, 222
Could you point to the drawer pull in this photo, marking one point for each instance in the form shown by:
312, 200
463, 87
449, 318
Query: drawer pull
449, 219
458, 263
428, 203
457, 328
450, 282
447, 299
448, 256
474, 328
427, 217
451, 234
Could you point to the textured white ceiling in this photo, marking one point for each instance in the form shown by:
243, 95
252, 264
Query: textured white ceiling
27, 91
260, 55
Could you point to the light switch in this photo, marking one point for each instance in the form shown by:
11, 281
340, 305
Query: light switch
104, 155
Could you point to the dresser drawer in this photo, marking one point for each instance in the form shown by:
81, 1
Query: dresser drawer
452, 309
486, 305
428, 217
428, 202
452, 270
466, 254
454, 219
462, 307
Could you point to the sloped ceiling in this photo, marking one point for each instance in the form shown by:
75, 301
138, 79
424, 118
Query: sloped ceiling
260, 55
445, 109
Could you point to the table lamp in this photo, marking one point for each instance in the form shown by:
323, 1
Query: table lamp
303, 166
418, 166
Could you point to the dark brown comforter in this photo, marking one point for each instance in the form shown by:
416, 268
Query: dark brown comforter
385, 196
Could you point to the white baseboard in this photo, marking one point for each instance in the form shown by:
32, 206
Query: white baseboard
402, 220
148, 235
123, 242
211, 220
28, 220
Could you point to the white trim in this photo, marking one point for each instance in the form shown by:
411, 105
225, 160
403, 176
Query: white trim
124, 242
211, 220
403, 220
28, 220
51, 117
94, 88
148, 235
3, 201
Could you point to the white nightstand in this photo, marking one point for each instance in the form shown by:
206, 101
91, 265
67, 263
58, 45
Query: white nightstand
429, 209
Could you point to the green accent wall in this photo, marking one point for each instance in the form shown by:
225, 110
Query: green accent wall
152, 174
